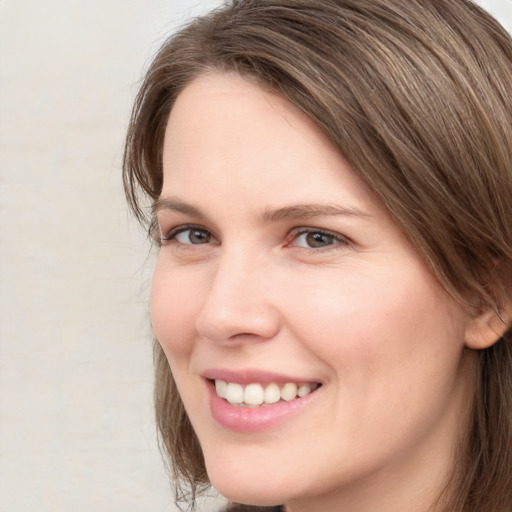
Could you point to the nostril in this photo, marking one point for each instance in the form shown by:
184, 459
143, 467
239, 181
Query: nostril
237, 324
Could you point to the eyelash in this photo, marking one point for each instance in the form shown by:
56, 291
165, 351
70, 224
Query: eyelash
170, 237
338, 240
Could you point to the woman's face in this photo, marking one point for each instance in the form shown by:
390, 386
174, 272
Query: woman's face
282, 275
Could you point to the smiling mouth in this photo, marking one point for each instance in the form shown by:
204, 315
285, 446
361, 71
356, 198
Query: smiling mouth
258, 395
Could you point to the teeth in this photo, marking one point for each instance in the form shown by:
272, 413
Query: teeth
272, 394
255, 394
289, 392
221, 388
234, 393
304, 390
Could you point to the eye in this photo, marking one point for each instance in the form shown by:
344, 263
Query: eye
189, 235
318, 239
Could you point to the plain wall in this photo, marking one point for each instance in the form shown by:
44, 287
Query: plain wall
76, 420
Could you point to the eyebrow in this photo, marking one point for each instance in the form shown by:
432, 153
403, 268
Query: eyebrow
173, 204
296, 211
308, 211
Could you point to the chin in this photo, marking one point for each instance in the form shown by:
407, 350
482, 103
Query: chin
246, 493
248, 485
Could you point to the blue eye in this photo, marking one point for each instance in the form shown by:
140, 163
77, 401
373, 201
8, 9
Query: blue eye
190, 236
318, 240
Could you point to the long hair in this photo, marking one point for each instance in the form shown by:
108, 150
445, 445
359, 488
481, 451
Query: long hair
416, 95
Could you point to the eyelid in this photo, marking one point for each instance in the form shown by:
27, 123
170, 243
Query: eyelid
342, 240
173, 232
294, 234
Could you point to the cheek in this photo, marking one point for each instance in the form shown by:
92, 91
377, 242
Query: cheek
175, 303
398, 326
393, 350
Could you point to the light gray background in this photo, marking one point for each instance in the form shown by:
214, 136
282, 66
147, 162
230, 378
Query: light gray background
76, 421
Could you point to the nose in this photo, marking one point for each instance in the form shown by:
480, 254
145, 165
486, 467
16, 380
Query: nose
238, 306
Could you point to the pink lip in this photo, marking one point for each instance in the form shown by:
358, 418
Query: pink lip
248, 376
245, 419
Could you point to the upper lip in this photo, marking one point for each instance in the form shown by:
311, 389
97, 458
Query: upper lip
251, 375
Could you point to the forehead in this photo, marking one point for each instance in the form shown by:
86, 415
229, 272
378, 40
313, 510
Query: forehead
240, 113
229, 137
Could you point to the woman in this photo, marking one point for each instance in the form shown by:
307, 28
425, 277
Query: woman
330, 187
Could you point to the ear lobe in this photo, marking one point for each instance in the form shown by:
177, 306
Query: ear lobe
486, 328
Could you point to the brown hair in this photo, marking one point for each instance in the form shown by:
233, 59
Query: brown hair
416, 96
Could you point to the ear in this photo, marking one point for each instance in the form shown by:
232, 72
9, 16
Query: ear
488, 326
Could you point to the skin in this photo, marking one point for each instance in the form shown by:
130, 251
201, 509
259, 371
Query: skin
360, 312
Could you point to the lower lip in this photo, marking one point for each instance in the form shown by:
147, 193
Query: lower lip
254, 419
